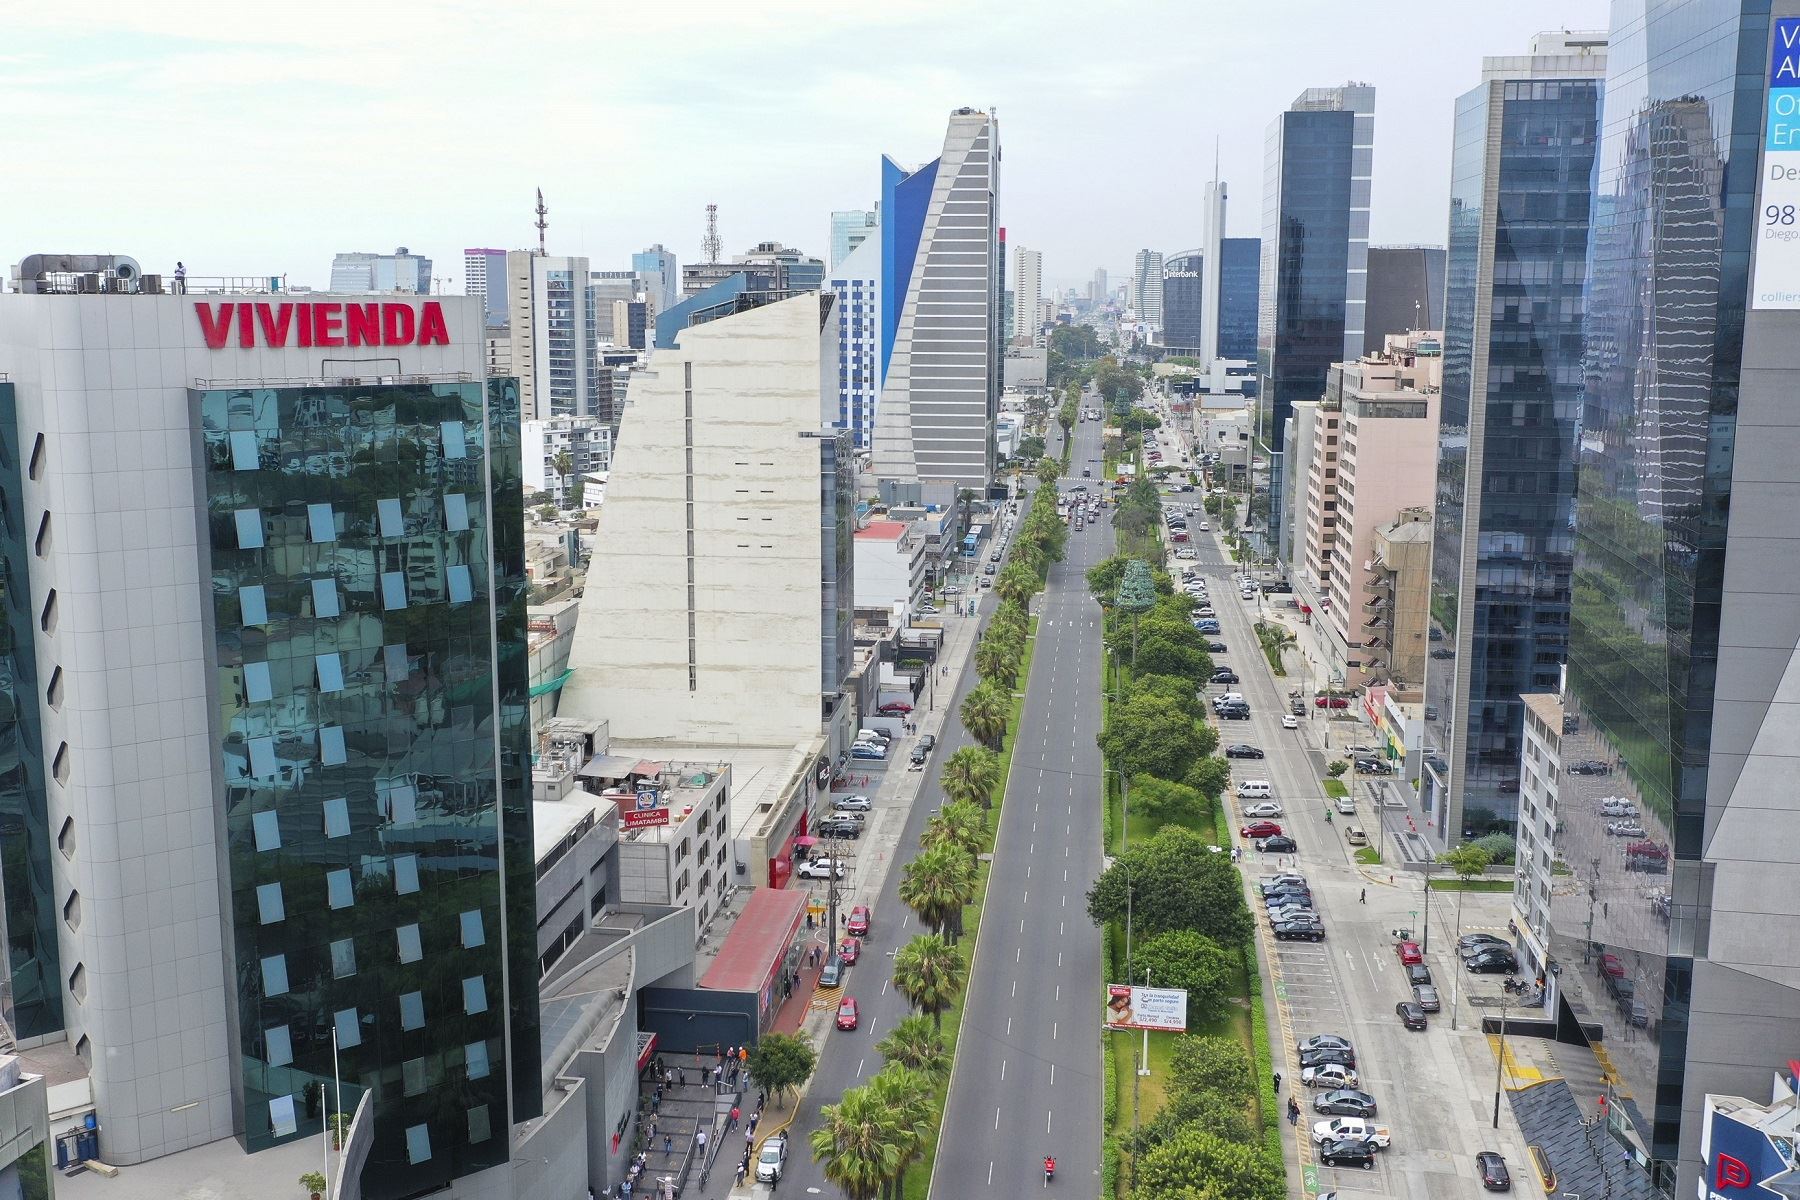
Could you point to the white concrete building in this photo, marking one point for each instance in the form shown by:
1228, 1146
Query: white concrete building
550, 313
1028, 295
587, 441
402, 271
484, 276
1147, 286
856, 282
890, 564
706, 620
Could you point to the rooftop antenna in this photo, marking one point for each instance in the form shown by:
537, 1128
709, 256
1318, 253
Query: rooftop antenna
711, 245
542, 224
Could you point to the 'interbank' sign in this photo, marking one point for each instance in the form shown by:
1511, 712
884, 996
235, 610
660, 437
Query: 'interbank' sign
322, 323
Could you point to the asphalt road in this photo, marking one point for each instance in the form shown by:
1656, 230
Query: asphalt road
1434, 1088
1026, 1080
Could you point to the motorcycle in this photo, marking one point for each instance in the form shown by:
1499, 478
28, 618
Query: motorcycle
1049, 1171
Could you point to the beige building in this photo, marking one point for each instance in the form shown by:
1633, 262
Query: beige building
1315, 459
1401, 576
1387, 408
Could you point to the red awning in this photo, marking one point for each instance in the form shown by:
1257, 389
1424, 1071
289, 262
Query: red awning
806, 841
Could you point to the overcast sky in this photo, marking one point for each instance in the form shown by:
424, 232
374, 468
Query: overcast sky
261, 138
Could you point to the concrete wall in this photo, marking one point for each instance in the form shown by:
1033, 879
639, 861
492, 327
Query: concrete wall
740, 396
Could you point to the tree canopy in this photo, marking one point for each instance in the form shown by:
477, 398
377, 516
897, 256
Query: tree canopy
1196, 1159
1151, 734
1181, 958
782, 1062
1173, 881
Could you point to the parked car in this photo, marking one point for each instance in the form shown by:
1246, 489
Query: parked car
1345, 806
1235, 712
1492, 962
1263, 808
1260, 829
1327, 1055
857, 924
1626, 829
1331, 702
899, 708
1418, 973
1409, 953
839, 827
820, 868
1492, 1169
1269, 883
1215, 648
867, 750
1326, 1041
850, 949
1351, 1152
1411, 1015
1299, 931
771, 1163
1225, 677
1468, 943
848, 1014
1345, 1102
1338, 1128
1591, 766
1289, 722
1329, 1075
1612, 965
852, 803
1426, 997
1242, 750
1278, 845
1374, 766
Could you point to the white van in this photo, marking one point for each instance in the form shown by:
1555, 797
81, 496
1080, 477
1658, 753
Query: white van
1254, 789
1228, 698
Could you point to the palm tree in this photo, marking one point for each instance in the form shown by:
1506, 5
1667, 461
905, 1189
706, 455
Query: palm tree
858, 1142
936, 885
984, 712
1011, 618
907, 1095
961, 825
1048, 471
929, 972
1018, 582
971, 775
996, 661
912, 1043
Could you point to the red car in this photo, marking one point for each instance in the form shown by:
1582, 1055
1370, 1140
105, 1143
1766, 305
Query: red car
895, 708
1261, 829
1409, 953
847, 1013
1612, 966
1331, 702
858, 923
849, 950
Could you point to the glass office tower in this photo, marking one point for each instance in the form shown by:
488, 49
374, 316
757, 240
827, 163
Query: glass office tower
373, 741
1240, 277
1183, 302
1521, 176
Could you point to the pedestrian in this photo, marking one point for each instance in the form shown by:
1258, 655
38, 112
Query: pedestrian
749, 1137
653, 1131
734, 1118
1362, 897
762, 1098
668, 1144
680, 1077
740, 1173
1278, 1083
744, 1056
754, 1118
700, 1142
1293, 1111
180, 279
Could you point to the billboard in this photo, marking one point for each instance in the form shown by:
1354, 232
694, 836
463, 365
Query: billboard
1748, 1151
1160, 1010
1776, 280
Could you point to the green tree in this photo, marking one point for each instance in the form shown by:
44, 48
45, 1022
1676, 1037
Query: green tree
908, 1095
996, 660
1162, 653
1031, 447
1173, 881
1216, 1065
1011, 618
1103, 579
984, 714
1181, 958
1171, 687
1467, 860
1210, 777
782, 1062
1336, 767
1219, 1115
1017, 582
971, 775
1165, 798
1065, 416
914, 1044
936, 884
929, 972
858, 1143
1150, 734
961, 825
1196, 1158
1048, 471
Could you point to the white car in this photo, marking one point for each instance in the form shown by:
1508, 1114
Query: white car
1345, 806
1204, 527
1267, 808
1330, 1075
852, 804
1352, 1127
820, 868
1185, 552
1289, 721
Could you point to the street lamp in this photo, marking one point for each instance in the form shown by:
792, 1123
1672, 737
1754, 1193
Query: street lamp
1500, 1061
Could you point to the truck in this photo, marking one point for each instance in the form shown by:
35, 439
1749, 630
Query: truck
1338, 1128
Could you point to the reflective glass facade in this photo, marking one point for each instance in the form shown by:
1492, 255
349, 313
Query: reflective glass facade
373, 751
1511, 405
1240, 277
33, 960
837, 556
1183, 302
1672, 232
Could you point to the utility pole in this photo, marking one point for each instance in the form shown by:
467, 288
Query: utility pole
1144, 1058
1456, 979
1500, 1060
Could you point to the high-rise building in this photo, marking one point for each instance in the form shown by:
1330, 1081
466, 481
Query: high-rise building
1405, 292
1240, 281
1028, 294
856, 282
1685, 599
661, 277
276, 790
941, 285
736, 630
484, 275
1147, 286
850, 228
402, 271
1184, 303
1099, 293
1212, 237
556, 335
1522, 175
556, 454
1315, 245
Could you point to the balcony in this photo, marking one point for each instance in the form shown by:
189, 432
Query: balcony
1375, 604
1374, 622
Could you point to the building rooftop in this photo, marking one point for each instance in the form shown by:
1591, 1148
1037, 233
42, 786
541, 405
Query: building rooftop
554, 820
760, 934
1546, 707
1413, 532
760, 775
884, 531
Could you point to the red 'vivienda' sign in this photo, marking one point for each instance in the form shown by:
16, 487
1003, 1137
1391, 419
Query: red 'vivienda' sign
322, 323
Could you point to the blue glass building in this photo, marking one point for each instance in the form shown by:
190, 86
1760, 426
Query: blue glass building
1240, 278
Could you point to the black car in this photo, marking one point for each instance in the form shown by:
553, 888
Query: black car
1240, 750
840, 829
1235, 712
1443, 654
1348, 1152
1299, 931
1225, 677
1278, 845
1215, 647
1288, 895
1345, 1102
1591, 766
1374, 766
1492, 962
1417, 973
1492, 1169
1269, 883
1320, 1055
1410, 1014
1470, 943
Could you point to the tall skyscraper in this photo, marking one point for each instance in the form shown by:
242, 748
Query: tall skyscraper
1184, 303
1213, 235
1505, 507
1685, 608
484, 275
1147, 286
1315, 244
941, 287
1240, 281
553, 315
662, 277
856, 282
1028, 293
283, 734
1100, 294
402, 271
850, 228
1405, 292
